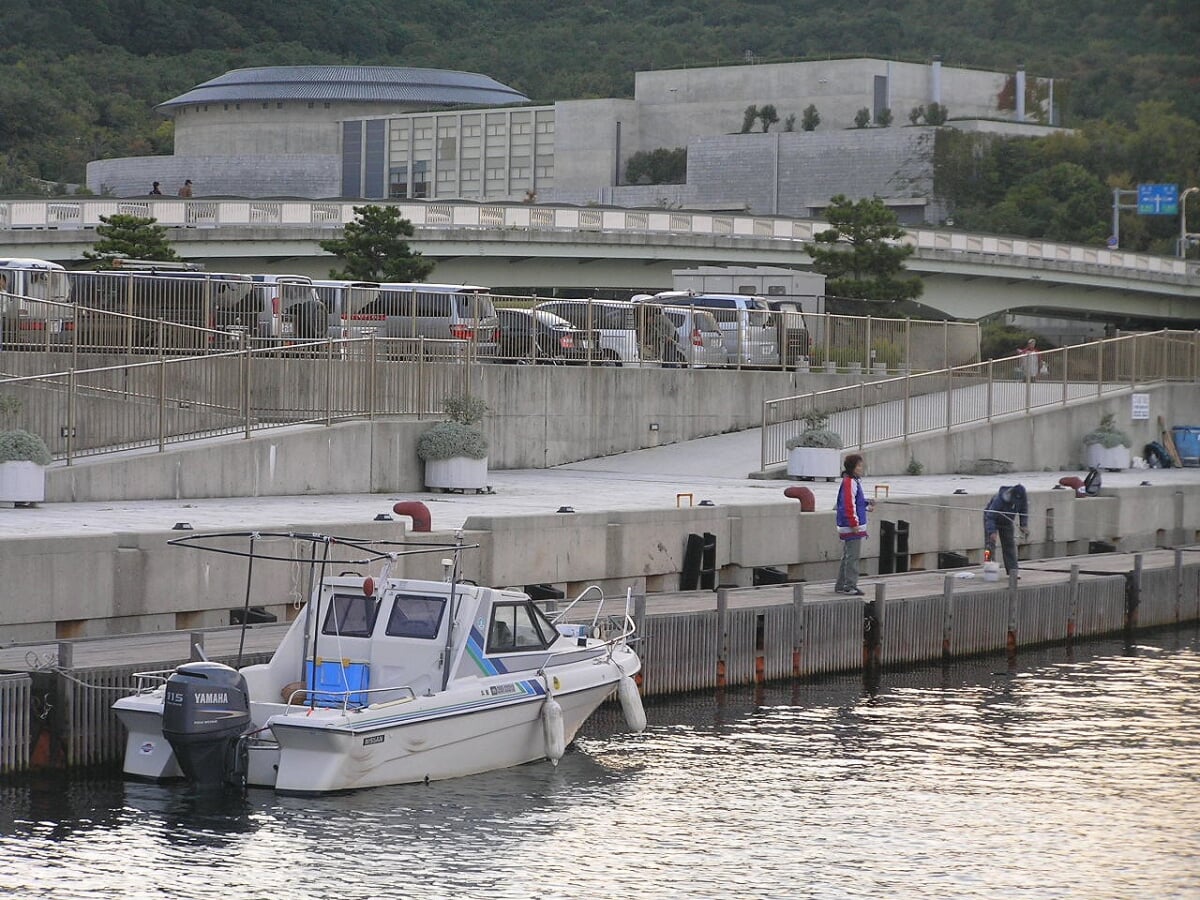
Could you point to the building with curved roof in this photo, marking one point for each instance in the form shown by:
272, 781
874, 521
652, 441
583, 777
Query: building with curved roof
274, 130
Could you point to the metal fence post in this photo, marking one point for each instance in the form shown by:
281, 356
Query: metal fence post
991, 387
162, 404
372, 379
862, 413
246, 384
328, 383
70, 414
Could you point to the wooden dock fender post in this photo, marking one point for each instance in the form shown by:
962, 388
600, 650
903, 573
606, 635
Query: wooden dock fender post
1073, 602
1178, 585
1011, 643
947, 614
1133, 592
797, 629
873, 629
722, 634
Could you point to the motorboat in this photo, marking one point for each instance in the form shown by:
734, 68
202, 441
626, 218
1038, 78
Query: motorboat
384, 680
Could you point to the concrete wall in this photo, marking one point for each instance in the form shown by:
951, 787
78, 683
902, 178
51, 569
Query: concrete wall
546, 416
73, 586
292, 175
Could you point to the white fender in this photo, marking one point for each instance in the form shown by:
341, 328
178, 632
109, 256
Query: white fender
552, 725
631, 704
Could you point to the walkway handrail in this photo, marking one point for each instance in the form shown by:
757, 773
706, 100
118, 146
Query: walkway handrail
905, 406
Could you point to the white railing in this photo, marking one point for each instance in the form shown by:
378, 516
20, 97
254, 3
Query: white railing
62, 214
894, 409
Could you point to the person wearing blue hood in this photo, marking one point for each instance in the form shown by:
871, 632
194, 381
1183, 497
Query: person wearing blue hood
1005, 512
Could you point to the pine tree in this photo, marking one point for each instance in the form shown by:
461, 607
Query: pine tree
129, 237
860, 256
373, 248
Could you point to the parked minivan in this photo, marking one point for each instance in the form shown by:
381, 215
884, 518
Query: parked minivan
751, 338
136, 309
23, 282
280, 308
446, 312
630, 333
342, 300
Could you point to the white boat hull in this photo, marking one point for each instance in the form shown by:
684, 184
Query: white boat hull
315, 759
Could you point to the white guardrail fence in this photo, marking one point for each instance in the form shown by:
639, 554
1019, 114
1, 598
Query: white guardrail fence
82, 214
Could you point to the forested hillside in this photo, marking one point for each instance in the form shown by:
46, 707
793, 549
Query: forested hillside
79, 78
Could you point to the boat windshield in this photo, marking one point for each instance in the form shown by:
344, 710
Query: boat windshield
519, 626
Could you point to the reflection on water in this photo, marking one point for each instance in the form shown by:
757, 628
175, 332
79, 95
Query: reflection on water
1065, 775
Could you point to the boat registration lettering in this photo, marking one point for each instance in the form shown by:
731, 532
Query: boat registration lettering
373, 739
497, 690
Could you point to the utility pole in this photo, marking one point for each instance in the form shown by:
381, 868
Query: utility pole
1114, 239
1183, 232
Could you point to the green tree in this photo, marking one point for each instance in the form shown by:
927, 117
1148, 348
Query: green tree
915, 115
661, 166
748, 118
768, 116
373, 248
811, 119
936, 114
129, 237
1062, 203
860, 254
789, 124
862, 118
883, 118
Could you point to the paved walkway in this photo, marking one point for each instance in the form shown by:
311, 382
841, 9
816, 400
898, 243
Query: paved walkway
714, 468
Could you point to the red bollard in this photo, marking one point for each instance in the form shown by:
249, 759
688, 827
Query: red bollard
417, 511
808, 503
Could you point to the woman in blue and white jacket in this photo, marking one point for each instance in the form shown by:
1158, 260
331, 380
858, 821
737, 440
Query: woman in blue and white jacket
852, 509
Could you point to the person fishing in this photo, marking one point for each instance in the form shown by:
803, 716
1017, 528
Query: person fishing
852, 509
1005, 512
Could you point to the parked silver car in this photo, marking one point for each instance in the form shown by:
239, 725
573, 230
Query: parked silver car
698, 335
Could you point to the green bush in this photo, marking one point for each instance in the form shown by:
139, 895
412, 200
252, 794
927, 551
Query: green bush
1107, 435
815, 433
457, 436
22, 446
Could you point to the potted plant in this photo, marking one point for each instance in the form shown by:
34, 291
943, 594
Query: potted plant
23, 458
816, 451
455, 451
1107, 447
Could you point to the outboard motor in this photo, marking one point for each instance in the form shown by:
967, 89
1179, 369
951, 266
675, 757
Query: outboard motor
205, 712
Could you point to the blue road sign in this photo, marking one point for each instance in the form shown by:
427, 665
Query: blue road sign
1158, 200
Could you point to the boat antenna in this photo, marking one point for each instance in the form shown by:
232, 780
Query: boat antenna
246, 604
458, 540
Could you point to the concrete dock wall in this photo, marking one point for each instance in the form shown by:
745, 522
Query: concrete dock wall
78, 586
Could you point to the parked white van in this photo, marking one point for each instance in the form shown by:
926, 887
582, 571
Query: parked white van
446, 312
751, 338
24, 282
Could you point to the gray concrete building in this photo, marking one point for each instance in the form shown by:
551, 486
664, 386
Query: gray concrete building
373, 133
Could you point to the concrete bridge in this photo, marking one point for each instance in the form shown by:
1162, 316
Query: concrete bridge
531, 246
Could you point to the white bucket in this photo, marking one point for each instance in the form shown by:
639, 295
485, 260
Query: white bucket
991, 571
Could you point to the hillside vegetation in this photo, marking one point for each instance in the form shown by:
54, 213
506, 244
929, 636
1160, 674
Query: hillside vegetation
79, 78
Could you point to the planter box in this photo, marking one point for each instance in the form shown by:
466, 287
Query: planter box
461, 473
1110, 459
814, 462
22, 482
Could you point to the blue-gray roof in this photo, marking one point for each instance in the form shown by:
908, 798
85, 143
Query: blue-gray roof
363, 84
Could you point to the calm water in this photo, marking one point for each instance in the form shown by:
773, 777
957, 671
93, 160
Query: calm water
1065, 775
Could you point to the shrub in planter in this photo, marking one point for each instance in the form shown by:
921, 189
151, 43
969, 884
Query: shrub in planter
816, 451
458, 435
816, 433
1107, 447
23, 446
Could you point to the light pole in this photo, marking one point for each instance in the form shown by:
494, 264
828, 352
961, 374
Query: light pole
1183, 232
